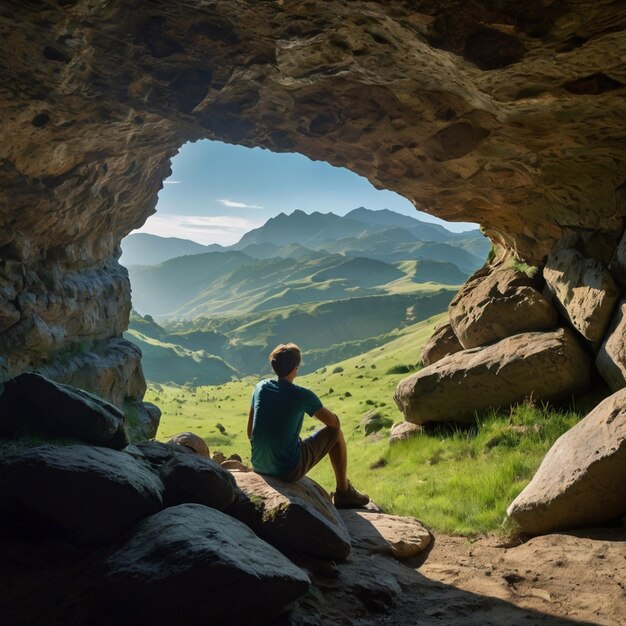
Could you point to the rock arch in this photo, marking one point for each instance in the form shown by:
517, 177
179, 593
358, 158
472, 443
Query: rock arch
511, 118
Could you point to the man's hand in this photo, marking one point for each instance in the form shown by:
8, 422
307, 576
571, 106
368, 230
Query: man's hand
327, 417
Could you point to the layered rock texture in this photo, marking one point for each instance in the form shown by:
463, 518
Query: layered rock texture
507, 116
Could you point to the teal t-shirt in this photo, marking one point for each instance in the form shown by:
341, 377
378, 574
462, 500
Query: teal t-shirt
279, 408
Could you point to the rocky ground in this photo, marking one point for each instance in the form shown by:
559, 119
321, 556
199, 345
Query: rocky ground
576, 578
555, 579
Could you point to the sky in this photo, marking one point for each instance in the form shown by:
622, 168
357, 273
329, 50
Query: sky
218, 191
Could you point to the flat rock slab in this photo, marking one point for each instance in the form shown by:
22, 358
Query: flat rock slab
546, 366
298, 516
582, 480
401, 537
193, 565
34, 405
79, 493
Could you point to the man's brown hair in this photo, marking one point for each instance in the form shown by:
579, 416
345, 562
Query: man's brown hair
284, 358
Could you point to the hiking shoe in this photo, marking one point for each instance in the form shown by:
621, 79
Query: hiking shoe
350, 499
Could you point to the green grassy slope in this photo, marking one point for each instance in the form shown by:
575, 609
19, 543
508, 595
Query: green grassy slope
168, 362
328, 331
455, 481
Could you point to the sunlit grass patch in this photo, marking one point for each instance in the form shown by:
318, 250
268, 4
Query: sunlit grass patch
457, 480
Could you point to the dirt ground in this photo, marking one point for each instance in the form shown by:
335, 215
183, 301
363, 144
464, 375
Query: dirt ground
574, 578
578, 576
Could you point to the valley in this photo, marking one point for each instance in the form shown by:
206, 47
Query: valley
337, 286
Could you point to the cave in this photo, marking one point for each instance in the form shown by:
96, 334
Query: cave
508, 116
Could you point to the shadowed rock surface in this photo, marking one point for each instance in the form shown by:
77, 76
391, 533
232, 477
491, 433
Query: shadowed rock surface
611, 358
582, 480
191, 564
79, 493
32, 405
196, 479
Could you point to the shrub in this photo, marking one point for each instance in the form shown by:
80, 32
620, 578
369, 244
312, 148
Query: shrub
337, 370
399, 369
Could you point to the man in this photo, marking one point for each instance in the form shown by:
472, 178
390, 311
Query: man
274, 425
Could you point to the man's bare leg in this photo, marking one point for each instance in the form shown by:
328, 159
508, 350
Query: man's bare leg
338, 455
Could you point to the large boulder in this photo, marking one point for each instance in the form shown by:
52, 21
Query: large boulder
583, 290
79, 493
497, 305
197, 479
33, 405
380, 533
193, 565
297, 517
442, 343
611, 358
582, 480
546, 366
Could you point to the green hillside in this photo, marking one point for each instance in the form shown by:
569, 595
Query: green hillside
231, 282
168, 362
329, 331
456, 481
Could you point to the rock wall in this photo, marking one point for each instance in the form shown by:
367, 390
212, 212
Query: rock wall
510, 116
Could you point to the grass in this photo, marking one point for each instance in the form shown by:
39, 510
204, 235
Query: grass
457, 481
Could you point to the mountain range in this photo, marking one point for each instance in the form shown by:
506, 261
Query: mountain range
336, 285
383, 235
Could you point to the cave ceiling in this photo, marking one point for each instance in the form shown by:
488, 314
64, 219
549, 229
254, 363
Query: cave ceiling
508, 114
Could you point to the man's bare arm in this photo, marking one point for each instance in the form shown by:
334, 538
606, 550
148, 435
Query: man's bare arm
327, 417
250, 418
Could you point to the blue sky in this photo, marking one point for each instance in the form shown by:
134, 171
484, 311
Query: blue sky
218, 191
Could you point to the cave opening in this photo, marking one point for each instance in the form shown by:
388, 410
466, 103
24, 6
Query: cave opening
307, 234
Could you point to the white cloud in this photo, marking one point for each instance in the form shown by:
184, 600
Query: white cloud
172, 182
233, 204
222, 229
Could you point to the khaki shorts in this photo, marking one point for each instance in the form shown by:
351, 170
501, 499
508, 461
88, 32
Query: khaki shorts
312, 450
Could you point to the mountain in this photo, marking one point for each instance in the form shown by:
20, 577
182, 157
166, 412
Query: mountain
145, 249
309, 230
398, 244
383, 235
390, 219
287, 251
229, 282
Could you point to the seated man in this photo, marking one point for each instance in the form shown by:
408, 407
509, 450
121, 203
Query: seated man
274, 425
